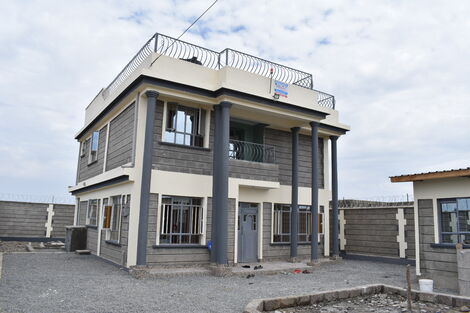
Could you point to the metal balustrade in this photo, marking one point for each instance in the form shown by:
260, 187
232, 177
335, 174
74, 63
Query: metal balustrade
325, 100
250, 151
179, 49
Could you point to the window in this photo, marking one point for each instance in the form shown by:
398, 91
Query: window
281, 223
82, 148
92, 212
115, 223
93, 156
183, 126
107, 209
181, 220
114, 209
455, 220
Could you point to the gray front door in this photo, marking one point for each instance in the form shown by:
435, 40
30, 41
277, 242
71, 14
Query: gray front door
247, 232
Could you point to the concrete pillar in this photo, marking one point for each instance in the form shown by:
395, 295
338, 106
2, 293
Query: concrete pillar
146, 178
334, 193
294, 219
314, 207
48, 225
220, 190
215, 181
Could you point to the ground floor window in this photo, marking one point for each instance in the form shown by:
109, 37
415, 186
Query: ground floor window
455, 220
92, 212
113, 212
181, 220
281, 223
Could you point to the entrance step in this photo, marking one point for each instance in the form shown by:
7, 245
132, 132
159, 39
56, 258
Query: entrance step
82, 251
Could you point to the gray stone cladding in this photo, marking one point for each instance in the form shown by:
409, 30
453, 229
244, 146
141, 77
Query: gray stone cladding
175, 256
86, 170
194, 160
121, 136
281, 252
439, 264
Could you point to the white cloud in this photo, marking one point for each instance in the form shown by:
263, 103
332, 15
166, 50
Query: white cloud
399, 71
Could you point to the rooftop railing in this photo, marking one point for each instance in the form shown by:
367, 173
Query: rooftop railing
179, 49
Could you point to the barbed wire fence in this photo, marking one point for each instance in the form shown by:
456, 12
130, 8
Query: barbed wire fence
378, 201
30, 198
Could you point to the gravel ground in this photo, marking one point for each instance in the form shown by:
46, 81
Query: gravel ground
20, 246
61, 282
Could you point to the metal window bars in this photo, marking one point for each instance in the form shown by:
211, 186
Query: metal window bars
249, 151
179, 49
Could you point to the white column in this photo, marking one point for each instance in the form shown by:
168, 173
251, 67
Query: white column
342, 225
417, 257
48, 225
400, 216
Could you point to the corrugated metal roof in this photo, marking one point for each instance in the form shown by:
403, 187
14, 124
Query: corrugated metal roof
431, 175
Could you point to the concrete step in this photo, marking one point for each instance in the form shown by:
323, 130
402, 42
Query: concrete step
82, 251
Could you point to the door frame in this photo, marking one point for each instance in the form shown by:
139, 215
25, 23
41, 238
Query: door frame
259, 231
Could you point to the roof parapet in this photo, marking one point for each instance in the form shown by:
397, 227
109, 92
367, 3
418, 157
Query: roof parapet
168, 46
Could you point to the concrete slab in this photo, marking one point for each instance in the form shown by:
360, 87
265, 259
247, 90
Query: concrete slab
276, 267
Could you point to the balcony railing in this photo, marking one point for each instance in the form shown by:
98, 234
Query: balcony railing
182, 50
249, 151
325, 100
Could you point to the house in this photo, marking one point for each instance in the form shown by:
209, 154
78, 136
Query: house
192, 156
442, 220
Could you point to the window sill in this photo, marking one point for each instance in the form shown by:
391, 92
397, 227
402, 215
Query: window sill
183, 146
447, 246
113, 243
91, 226
288, 243
92, 162
179, 246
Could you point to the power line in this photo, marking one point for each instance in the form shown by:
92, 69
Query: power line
192, 24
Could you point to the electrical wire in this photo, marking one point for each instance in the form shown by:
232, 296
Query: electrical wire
188, 28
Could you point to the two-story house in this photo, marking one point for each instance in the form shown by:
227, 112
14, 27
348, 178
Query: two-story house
192, 156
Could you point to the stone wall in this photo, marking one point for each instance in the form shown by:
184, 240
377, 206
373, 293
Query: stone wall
378, 231
24, 219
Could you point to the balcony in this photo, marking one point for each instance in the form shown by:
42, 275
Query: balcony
249, 151
168, 46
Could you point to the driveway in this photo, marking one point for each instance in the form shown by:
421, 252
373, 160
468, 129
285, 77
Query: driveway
61, 282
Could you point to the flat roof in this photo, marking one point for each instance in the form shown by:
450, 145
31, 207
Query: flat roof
461, 172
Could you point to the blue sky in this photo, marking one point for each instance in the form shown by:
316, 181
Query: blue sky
400, 72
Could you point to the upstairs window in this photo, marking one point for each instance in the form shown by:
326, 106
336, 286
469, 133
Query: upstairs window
281, 223
83, 148
93, 156
455, 220
183, 126
181, 220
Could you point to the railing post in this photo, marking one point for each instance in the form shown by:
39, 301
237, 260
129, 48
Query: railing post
226, 57
156, 43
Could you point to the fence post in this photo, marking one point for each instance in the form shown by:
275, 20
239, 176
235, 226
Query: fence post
342, 233
402, 244
48, 225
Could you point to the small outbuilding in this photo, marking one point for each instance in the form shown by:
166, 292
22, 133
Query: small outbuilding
442, 220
